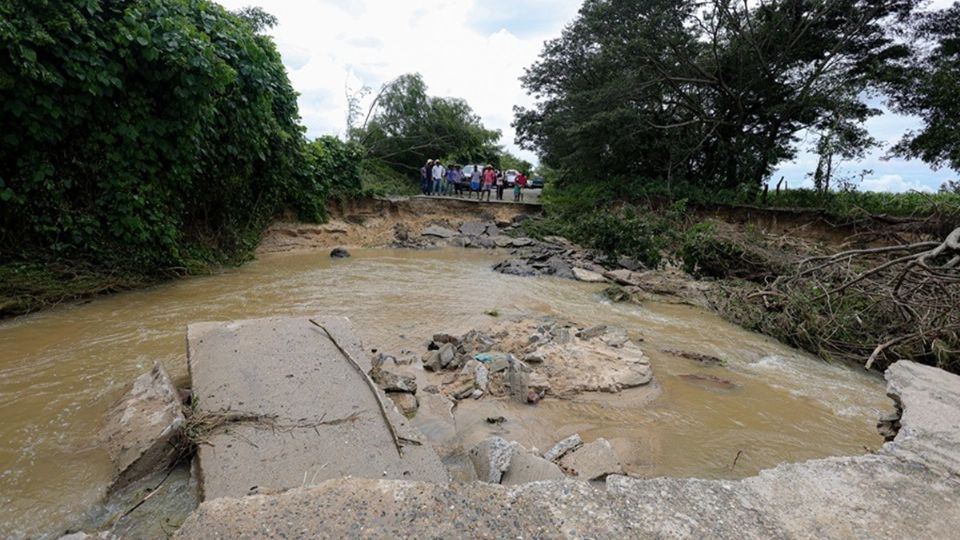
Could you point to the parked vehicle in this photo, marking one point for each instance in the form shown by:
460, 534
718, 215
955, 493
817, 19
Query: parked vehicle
537, 182
510, 176
468, 170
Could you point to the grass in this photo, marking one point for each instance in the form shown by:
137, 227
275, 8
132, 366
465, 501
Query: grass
574, 198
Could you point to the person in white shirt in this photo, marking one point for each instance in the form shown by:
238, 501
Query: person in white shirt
437, 175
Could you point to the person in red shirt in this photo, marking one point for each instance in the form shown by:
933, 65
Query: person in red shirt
520, 185
489, 177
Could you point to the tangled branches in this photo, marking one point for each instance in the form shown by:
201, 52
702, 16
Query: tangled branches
881, 304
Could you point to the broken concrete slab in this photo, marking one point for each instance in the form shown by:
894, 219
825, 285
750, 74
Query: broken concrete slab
526, 467
930, 427
592, 461
142, 429
492, 457
561, 448
905, 491
324, 422
438, 232
473, 228
588, 276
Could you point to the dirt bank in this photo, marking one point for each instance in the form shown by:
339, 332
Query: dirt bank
382, 222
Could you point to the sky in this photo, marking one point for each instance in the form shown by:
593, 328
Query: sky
477, 50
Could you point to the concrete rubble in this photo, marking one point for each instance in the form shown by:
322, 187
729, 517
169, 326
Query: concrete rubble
529, 359
492, 457
142, 429
561, 448
592, 461
909, 489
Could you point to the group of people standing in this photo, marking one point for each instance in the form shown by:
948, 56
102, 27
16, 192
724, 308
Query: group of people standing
435, 179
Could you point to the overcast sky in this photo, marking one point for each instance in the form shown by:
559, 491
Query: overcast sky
476, 50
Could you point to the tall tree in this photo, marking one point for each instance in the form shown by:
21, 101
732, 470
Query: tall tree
405, 126
928, 86
713, 91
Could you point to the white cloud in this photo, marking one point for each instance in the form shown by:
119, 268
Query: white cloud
477, 50
893, 183
472, 49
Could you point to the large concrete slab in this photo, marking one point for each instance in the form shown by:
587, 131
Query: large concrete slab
291, 372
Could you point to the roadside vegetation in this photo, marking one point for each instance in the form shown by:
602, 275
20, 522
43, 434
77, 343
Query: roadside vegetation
658, 116
155, 138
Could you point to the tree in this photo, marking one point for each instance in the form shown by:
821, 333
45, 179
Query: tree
404, 127
145, 132
509, 161
927, 86
950, 186
711, 92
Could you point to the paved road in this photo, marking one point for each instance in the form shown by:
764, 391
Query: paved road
530, 196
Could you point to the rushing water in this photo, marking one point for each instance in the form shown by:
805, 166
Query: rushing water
61, 369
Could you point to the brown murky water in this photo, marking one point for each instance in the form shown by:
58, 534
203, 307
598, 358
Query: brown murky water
60, 370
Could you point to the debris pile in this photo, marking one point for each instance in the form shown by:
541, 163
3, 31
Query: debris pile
498, 461
529, 359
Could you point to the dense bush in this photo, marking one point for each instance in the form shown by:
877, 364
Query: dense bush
151, 132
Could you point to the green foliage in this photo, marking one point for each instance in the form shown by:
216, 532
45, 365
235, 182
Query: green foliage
380, 180
149, 132
509, 161
407, 127
927, 86
333, 170
711, 93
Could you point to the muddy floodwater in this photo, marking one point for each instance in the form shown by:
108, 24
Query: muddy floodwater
61, 369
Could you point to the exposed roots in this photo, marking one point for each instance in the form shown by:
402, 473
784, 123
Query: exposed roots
875, 305
202, 425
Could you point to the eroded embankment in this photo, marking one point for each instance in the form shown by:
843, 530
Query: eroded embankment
910, 488
386, 222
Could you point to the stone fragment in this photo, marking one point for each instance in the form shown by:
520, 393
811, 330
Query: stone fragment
484, 242
431, 361
491, 458
522, 242
561, 448
461, 387
438, 231
493, 230
588, 276
447, 354
592, 461
394, 382
639, 375
504, 241
440, 339
481, 377
527, 467
339, 253
407, 404
622, 277
473, 228
535, 357
498, 365
142, 430
592, 332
